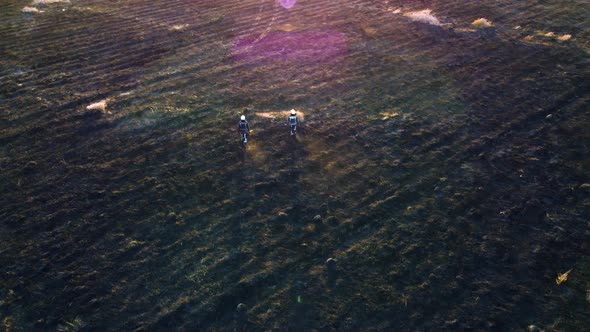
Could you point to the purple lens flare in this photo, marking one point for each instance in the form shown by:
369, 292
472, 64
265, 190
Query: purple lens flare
287, 4
304, 46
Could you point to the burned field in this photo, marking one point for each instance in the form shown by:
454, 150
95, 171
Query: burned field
442, 163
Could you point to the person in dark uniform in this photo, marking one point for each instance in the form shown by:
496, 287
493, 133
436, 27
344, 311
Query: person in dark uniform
244, 128
292, 121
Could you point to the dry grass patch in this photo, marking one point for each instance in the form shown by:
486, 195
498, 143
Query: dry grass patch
47, 2
178, 27
31, 10
482, 23
423, 16
98, 106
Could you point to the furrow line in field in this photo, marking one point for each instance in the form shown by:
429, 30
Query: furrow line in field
114, 48
106, 42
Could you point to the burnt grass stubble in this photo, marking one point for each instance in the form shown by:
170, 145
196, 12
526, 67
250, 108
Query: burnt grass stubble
455, 214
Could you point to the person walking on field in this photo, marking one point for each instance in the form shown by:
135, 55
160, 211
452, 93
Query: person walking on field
292, 122
244, 128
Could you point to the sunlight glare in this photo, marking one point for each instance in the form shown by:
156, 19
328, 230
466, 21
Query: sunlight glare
287, 4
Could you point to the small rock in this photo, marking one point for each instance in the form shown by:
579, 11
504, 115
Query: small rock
533, 328
241, 308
